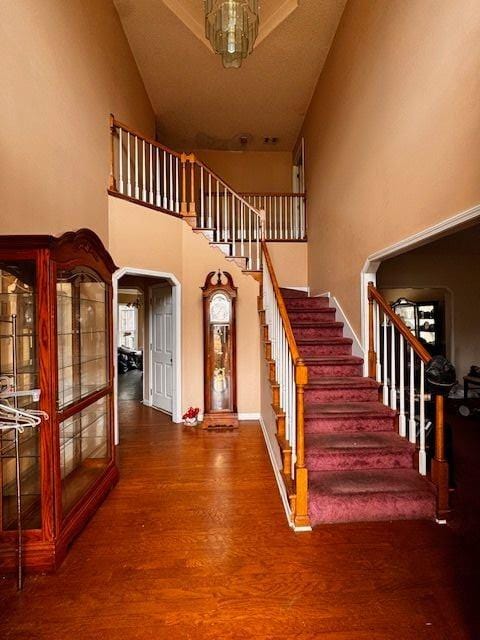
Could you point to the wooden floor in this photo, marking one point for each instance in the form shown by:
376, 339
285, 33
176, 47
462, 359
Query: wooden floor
193, 543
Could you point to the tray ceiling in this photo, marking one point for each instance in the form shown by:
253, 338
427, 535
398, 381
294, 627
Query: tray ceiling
198, 103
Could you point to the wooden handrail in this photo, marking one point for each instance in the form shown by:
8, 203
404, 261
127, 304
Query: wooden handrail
281, 306
141, 136
225, 184
414, 342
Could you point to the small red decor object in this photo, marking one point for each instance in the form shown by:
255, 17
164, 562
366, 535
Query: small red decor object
191, 416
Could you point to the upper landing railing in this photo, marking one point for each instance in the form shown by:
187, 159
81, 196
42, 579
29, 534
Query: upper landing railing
146, 171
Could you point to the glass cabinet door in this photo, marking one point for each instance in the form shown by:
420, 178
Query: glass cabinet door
83, 343
18, 304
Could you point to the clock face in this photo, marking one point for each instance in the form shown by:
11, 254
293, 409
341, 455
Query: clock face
219, 308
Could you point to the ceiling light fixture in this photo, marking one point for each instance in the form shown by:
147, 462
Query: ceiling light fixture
232, 28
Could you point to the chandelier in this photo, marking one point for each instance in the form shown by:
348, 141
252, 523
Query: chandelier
232, 28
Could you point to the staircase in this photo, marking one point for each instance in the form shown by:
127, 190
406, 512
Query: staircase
348, 451
359, 467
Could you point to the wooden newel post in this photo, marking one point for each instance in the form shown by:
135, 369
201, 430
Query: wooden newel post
183, 205
372, 356
439, 462
112, 183
301, 518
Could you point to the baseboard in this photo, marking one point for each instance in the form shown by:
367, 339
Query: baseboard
249, 416
348, 331
278, 477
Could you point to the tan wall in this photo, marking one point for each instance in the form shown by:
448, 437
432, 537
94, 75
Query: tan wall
251, 171
392, 134
454, 267
65, 66
163, 243
290, 261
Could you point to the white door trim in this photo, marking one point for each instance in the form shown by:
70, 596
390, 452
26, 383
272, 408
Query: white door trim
177, 306
372, 263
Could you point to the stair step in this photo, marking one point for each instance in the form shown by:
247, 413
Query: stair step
376, 494
326, 417
357, 450
330, 345
225, 247
312, 315
341, 389
306, 303
334, 365
293, 293
320, 329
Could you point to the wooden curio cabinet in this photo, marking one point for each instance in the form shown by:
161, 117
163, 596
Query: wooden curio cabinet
220, 378
60, 292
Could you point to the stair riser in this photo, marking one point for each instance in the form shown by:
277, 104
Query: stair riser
368, 508
306, 303
340, 395
357, 460
292, 293
318, 332
325, 315
335, 370
325, 349
350, 423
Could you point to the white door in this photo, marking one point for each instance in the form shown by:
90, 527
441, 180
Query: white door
162, 350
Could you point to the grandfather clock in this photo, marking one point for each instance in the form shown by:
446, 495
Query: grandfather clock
220, 375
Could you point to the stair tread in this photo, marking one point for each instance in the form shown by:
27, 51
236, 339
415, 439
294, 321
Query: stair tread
385, 441
319, 310
347, 382
320, 324
323, 341
338, 409
371, 482
332, 359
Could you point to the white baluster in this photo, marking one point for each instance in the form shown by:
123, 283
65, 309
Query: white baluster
242, 229
120, 160
257, 223
165, 194
158, 196
129, 169
393, 375
234, 232
422, 456
377, 342
385, 361
202, 199
144, 174
177, 185
275, 226
402, 421
225, 215
170, 183
218, 236
250, 264
137, 188
412, 425
210, 221
150, 193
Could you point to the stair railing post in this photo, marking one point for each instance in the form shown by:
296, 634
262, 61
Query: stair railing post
183, 204
191, 206
112, 183
372, 356
440, 470
301, 518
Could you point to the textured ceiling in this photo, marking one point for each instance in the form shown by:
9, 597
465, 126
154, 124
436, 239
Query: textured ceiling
198, 103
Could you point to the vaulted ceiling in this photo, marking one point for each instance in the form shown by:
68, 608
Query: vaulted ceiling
198, 103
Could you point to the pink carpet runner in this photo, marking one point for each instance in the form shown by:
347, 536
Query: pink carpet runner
360, 469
